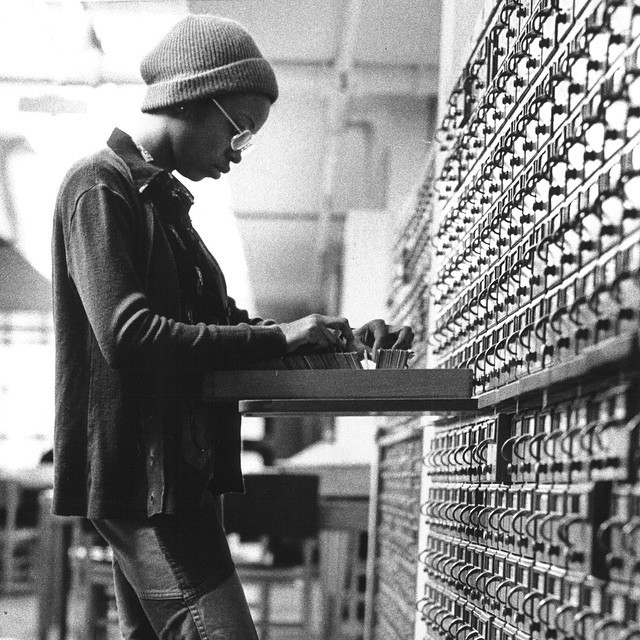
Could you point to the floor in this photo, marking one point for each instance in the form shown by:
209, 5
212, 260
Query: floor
18, 616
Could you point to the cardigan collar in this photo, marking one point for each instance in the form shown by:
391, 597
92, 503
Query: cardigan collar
143, 172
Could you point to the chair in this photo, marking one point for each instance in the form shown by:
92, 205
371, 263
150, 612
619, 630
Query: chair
54, 576
91, 562
19, 490
281, 512
75, 567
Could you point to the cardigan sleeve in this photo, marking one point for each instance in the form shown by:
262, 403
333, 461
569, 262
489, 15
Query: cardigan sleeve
99, 247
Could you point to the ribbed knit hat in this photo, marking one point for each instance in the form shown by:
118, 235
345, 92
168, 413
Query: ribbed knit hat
204, 56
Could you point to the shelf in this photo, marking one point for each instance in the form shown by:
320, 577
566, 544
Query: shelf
343, 392
613, 351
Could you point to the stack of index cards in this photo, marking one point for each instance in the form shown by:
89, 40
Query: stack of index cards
385, 359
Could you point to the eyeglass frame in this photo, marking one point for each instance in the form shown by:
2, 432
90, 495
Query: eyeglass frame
236, 145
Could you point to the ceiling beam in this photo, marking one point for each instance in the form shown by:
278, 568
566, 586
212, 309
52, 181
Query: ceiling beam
371, 79
294, 216
337, 114
365, 79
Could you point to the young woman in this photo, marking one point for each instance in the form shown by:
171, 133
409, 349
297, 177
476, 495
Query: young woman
141, 312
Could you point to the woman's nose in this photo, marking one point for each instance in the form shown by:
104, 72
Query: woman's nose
234, 156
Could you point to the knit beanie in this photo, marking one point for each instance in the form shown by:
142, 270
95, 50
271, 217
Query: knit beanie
204, 56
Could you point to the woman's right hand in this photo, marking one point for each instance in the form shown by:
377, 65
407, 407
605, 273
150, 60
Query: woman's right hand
319, 332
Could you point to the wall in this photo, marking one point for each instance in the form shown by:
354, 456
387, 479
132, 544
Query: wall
525, 524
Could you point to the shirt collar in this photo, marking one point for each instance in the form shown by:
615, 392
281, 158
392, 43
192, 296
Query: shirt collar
143, 172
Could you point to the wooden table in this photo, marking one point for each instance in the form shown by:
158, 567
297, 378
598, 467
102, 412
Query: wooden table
342, 392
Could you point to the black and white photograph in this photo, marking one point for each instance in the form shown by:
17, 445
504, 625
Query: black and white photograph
319, 320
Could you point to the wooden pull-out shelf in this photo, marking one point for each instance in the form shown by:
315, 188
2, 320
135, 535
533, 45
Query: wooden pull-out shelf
343, 391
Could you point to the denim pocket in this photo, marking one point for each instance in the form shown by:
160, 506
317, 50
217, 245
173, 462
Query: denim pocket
195, 547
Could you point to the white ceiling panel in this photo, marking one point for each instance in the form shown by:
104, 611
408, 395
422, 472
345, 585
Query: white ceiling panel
404, 32
305, 31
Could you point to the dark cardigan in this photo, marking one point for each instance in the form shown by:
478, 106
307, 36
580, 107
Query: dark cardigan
128, 370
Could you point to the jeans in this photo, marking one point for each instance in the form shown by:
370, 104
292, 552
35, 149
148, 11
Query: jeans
174, 578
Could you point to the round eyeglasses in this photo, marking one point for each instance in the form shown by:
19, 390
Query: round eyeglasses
243, 139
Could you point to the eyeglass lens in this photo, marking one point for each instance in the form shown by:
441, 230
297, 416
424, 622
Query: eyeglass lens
242, 140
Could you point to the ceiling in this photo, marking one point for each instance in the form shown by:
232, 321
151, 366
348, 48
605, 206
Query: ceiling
347, 57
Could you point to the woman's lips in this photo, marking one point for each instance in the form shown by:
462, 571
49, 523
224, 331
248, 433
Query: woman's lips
218, 171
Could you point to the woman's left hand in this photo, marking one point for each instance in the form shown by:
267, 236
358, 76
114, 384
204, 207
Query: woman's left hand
377, 334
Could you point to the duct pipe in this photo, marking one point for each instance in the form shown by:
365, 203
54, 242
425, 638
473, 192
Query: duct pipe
338, 100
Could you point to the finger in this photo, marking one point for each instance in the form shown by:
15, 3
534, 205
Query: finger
363, 338
335, 322
328, 338
379, 328
344, 330
360, 347
378, 343
337, 339
404, 338
349, 340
